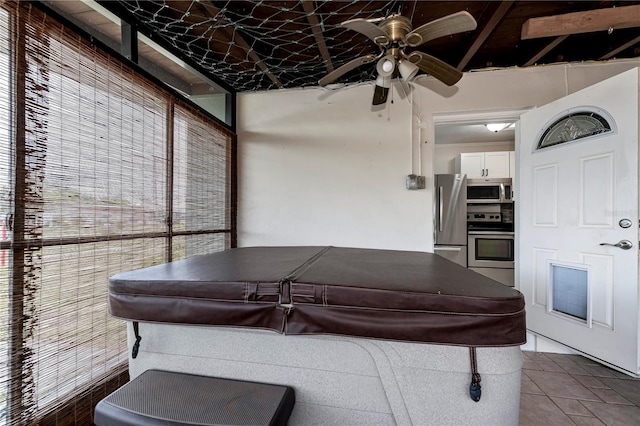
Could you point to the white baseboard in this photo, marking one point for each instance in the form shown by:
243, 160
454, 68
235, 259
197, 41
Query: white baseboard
537, 343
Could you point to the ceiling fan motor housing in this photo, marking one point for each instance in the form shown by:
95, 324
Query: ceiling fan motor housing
396, 27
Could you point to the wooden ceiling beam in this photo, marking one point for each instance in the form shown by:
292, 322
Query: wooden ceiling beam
241, 42
314, 22
546, 50
486, 32
582, 22
620, 49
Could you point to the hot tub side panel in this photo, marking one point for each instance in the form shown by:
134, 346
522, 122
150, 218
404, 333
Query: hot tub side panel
346, 380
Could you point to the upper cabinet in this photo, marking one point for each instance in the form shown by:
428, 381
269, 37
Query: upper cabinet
484, 164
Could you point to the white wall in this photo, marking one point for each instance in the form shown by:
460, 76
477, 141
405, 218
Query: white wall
319, 167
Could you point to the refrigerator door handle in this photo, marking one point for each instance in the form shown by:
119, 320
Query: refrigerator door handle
441, 207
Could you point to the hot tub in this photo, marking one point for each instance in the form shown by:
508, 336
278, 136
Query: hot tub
364, 336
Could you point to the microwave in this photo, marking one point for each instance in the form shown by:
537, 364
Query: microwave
496, 190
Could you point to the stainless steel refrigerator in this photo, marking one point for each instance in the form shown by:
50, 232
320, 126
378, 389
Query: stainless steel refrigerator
451, 217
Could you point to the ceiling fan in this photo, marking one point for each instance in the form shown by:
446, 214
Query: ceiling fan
394, 35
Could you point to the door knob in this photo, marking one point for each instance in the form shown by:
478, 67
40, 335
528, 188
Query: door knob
623, 244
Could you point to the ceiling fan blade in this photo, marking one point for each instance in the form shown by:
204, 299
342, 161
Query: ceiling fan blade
437, 68
380, 95
339, 72
447, 25
368, 29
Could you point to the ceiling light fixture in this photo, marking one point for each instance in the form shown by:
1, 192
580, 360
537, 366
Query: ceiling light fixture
408, 70
386, 65
496, 127
383, 81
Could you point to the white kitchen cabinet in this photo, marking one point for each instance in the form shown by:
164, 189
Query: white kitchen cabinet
471, 164
483, 164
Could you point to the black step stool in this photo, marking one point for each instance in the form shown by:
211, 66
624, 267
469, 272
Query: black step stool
166, 398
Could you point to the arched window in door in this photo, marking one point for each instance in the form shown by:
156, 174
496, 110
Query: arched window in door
575, 124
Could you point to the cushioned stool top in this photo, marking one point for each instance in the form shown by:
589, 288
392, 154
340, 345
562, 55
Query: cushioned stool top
167, 398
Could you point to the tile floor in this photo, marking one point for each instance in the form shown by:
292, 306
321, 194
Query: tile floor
560, 389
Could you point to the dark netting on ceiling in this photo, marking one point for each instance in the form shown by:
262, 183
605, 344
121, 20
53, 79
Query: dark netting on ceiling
259, 45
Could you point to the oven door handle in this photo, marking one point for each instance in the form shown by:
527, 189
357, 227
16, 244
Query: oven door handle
448, 248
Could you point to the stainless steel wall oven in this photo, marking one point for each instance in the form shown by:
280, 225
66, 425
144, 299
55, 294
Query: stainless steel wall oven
490, 249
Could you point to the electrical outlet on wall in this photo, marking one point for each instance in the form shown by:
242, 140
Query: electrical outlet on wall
415, 182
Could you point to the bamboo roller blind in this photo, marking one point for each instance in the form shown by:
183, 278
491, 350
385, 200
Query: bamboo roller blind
101, 171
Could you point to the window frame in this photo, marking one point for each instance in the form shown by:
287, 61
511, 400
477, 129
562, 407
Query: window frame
18, 245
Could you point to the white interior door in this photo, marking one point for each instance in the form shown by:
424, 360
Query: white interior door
572, 197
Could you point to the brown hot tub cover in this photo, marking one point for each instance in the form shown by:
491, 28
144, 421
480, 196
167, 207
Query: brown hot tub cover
398, 295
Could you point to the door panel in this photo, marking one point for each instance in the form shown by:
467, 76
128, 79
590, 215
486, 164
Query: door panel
539, 276
545, 181
571, 200
596, 191
603, 293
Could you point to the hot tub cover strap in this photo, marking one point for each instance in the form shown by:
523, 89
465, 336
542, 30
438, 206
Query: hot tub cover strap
475, 390
136, 344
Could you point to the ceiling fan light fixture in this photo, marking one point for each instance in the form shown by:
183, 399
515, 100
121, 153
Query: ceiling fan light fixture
383, 81
408, 70
386, 66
